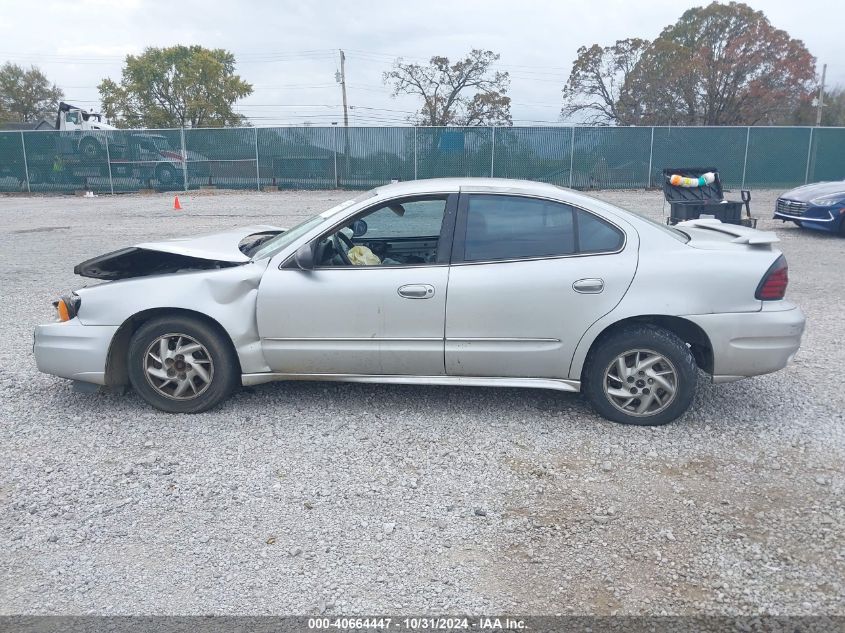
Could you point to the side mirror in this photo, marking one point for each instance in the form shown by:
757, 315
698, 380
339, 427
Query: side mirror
304, 257
359, 228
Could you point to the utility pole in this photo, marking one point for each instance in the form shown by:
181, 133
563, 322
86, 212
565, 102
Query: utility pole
342, 81
820, 103
341, 78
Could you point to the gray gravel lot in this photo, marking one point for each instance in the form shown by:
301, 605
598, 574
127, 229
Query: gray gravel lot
307, 497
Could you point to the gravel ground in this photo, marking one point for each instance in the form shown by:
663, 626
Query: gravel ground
307, 498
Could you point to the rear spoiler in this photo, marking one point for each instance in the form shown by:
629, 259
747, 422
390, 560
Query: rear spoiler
742, 234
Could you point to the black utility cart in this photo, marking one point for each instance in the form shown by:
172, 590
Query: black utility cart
690, 203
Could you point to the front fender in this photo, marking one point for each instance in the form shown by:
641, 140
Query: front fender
226, 295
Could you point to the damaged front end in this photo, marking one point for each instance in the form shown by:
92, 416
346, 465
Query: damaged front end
208, 252
89, 342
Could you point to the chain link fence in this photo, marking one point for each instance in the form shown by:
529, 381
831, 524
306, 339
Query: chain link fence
365, 157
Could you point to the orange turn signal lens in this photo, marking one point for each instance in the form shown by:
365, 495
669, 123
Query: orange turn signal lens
61, 308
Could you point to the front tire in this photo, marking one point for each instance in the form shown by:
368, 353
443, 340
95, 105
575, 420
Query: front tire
182, 365
90, 148
642, 375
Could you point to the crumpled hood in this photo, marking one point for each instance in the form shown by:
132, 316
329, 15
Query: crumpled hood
817, 190
217, 246
204, 252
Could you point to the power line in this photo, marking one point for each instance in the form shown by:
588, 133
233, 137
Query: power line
263, 86
264, 55
265, 110
374, 56
277, 56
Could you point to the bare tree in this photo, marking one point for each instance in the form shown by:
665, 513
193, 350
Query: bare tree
723, 64
467, 92
596, 82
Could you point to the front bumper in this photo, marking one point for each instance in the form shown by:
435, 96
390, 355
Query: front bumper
752, 343
72, 350
819, 218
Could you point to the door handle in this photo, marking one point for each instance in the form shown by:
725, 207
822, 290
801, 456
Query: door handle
416, 291
588, 286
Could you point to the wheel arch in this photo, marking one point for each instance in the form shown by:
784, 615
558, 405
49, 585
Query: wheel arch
168, 166
90, 139
691, 333
117, 359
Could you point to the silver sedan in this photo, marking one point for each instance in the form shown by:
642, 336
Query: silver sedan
446, 282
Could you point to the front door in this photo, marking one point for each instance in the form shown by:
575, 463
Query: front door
529, 276
375, 302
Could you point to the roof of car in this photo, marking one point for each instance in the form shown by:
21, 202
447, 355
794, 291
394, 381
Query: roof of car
497, 185
434, 185
507, 185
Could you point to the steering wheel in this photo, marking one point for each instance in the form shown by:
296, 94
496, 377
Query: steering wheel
342, 243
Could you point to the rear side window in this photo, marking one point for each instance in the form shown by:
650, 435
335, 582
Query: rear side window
509, 227
597, 236
512, 227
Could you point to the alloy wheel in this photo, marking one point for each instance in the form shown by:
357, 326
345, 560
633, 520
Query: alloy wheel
178, 366
640, 382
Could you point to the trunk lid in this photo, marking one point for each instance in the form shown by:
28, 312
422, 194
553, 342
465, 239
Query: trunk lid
216, 250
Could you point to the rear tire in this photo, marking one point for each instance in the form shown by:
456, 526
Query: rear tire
642, 375
180, 364
167, 177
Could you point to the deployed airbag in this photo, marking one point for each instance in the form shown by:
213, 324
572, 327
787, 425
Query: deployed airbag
362, 256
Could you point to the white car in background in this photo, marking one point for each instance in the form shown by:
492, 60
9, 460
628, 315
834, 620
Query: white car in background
446, 282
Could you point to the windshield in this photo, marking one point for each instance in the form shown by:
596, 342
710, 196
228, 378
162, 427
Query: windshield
281, 241
154, 142
275, 245
159, 142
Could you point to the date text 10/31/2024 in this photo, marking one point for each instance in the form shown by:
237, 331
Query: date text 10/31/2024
415, 624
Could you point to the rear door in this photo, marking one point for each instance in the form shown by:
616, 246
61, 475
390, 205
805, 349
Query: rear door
528, 277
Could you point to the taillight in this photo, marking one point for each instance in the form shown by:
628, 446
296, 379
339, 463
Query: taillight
773, 285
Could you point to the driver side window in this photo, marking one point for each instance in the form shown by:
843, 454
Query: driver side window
398, 233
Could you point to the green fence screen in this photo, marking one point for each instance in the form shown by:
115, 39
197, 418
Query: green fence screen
365, 157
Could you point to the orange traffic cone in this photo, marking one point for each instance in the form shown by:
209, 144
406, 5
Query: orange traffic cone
176, 205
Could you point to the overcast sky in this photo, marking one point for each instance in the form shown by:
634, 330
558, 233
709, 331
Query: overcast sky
289, 50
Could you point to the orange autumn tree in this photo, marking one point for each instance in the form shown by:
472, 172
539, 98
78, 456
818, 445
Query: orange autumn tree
723, 64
